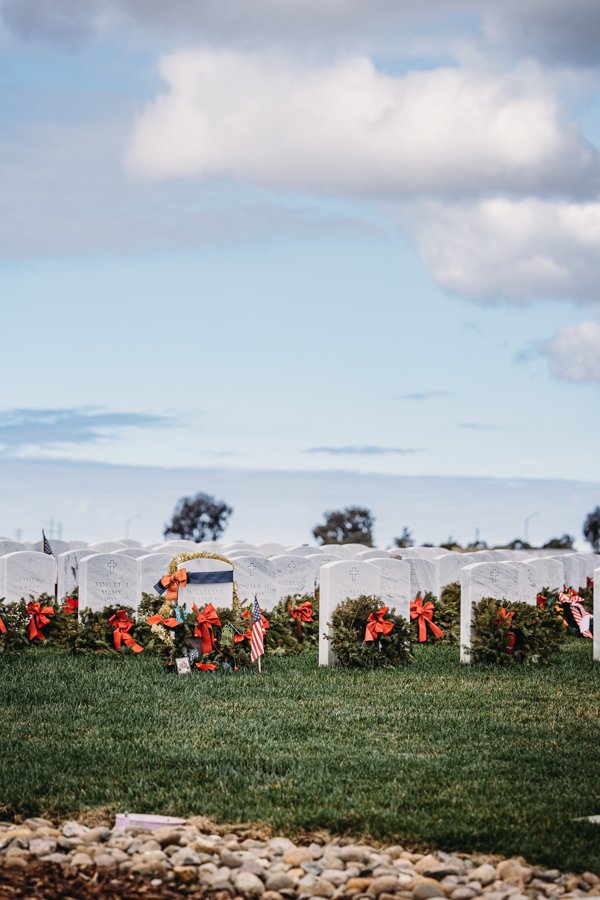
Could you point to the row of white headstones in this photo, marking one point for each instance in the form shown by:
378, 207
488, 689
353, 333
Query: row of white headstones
118, 572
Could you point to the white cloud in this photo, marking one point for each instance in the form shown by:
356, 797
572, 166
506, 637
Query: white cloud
351, 129
574, 352
511, 250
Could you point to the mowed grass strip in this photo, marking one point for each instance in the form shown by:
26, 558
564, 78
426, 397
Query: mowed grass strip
486, 759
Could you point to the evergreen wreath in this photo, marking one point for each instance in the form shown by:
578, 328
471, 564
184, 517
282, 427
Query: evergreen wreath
294, 625
508, 633
389, 649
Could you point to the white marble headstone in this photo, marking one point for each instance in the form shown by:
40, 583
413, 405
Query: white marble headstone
479, 580
256, 575
319, 560
574, 570
550, 573
339, 581
106, 579
106, 546
151, 569
25, 573
8, 546
374, 553
219, 594
271, 549
422, 576
132, 552
447, 569
67, 565
395, 584
295, 575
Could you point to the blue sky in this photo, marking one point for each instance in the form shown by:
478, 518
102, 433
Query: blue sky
307, 237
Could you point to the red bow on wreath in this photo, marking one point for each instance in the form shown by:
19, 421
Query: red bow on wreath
173, 582
511, 636
71, 606
302, 613
589, 582
2, 627
541, 600
376, 625
158, 619
206, 667
206, 619
122, 626
423, 612
38, 617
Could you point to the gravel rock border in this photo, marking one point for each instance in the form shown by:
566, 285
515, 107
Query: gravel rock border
200, 858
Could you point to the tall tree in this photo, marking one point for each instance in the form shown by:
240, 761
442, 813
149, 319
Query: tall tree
591, 528
198, 518
352, 525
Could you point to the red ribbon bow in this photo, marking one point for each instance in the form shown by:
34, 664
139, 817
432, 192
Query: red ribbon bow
122, 626
302, 613
246, 636
38, 618
511, 636
71, 606
424, 613
376, 625
541, 600
157, 619
206, 619
2, 627
173, 582
206, 667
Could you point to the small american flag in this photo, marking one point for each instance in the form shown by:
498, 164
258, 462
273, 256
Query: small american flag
47, 548
257, 643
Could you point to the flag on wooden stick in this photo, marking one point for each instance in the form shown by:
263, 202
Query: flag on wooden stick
257, 642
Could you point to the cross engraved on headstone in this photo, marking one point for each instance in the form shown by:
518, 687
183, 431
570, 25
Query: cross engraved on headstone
494, 574
112, 566
252, 569
29, 559
387, 570
353, 573
531, 577
291, 566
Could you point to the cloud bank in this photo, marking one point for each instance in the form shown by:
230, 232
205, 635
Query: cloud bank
46, 428
348, 128
507, 250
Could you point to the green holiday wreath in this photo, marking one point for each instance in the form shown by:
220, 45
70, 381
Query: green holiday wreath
509, 633
366, 635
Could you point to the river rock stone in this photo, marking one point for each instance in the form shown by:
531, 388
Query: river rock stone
424, 890
247, 883
485, 874
296, 856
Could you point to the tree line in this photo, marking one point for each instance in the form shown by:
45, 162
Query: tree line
201, 517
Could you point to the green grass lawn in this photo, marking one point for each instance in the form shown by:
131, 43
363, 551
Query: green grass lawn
464, 758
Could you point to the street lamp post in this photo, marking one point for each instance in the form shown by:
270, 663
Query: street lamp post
526, 526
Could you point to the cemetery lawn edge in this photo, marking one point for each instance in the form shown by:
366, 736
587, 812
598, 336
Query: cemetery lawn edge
498, 760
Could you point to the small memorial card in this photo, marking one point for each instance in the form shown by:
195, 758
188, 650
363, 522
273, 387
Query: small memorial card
183, 666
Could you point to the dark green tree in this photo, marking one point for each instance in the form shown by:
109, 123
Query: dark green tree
560, 543
352, 525
591, 528
405, 540
198, 518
